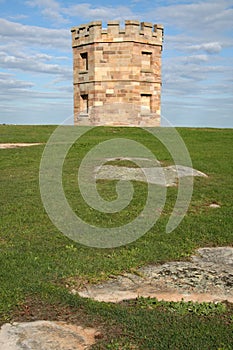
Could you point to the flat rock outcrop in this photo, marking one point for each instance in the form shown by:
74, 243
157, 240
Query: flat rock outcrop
45, 335
208, 276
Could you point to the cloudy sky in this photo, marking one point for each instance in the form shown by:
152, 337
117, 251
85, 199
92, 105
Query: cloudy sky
36, 57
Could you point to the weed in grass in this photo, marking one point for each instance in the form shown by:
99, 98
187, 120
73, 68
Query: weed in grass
182, 307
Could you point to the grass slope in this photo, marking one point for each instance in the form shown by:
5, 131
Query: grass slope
37, 261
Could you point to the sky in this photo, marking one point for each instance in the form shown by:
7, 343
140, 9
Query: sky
36, 68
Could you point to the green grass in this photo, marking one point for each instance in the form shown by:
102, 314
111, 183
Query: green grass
37, 260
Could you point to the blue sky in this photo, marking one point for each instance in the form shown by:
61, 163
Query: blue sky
36, 57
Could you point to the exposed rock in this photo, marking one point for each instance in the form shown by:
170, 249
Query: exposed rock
15, 145
214, 205
207, 277
45, 335
218, 255
163, 176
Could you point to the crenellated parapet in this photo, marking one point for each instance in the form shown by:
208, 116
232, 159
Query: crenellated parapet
139, 32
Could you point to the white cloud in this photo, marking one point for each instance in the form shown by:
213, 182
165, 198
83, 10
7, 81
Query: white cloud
8, 82
206, 17
43, 3
32, 64
44, 57
197, 84
210, 48
195, 59
33, 51
11, 90
18, 17
49, 8
188, 76
33, 35
88, 12
26, 92
84, 11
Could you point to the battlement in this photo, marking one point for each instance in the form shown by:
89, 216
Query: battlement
134, 31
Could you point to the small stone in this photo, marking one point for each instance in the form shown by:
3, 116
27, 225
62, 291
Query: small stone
214, 205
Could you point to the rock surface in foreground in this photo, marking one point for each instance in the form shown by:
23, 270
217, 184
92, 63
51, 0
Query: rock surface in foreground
45, 335
207, 277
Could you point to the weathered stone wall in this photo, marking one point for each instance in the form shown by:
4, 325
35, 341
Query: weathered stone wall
117, 73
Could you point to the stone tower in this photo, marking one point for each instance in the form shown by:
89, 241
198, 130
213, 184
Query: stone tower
117, 73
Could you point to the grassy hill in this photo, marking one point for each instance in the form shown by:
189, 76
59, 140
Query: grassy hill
37, 260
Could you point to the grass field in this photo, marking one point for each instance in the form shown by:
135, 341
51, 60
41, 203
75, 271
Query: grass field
37, 261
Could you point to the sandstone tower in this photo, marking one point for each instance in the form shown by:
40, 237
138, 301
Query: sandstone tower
117, 73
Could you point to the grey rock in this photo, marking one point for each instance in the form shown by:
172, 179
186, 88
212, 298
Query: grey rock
45, 335
218, 255
163, 176
214, 205
207, 277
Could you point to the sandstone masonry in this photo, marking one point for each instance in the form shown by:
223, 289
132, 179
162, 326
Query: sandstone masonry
117, 73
